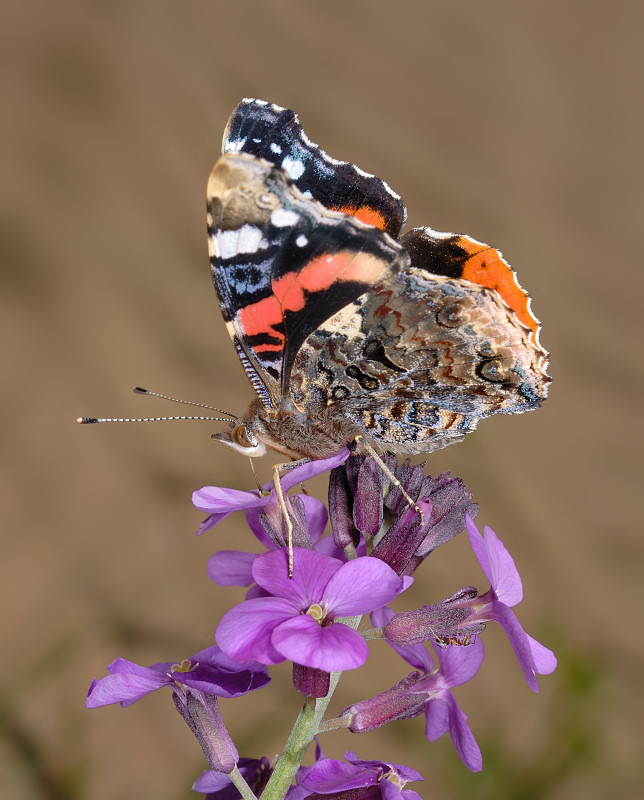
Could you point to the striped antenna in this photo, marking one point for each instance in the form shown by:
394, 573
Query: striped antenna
229, 418
139, 390
92, 420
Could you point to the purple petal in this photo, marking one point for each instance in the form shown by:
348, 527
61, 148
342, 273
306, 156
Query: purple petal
462, 737
126, 683
390, 790
459, 663
476, 542
361, 586
443, 714
507, 619
316, 515
496, 562
506, 579
329, 776
437, 716
545, 660
329, 648
210, 679
211, 781
294, 793
312, 572
309, 470
245, 631
381, 616
410, 794
219, 500
231, 568
210, 522
415, 654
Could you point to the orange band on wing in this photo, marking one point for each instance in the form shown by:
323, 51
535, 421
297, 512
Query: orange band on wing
365, 214
486, 267
289, 292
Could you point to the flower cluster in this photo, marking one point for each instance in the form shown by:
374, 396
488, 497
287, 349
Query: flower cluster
386, 519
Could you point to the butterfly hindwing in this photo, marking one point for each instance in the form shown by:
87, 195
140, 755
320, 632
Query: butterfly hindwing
419, 359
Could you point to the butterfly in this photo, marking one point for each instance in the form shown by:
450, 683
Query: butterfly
349, 331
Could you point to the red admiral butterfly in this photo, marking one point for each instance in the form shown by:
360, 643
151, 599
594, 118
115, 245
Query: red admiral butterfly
344, 328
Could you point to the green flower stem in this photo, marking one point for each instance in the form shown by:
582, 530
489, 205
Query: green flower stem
240, 784
305, 728
289, 762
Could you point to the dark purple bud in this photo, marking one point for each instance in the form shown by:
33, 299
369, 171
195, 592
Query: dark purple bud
341, 509
445, 622
367, 506
451, 502
352, 466
400, 542
202, 715
310, 681
399, 702
411, 478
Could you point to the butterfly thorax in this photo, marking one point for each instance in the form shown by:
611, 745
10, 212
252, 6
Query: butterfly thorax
299, 434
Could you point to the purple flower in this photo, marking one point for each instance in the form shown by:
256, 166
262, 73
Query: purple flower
196, 683
506, 590
220, 502
427, 690
466, 613
298, 618
378, 779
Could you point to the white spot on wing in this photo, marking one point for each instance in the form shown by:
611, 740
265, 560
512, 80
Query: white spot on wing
293, 168
301, 241
247, 239
276, 148
234, 145
282, 218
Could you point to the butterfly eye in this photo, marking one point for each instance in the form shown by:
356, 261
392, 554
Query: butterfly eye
241, 437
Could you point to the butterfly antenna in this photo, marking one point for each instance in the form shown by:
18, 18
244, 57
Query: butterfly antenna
92, 420
139, 390
229, 418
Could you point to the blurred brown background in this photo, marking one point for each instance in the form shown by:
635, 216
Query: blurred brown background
519, 123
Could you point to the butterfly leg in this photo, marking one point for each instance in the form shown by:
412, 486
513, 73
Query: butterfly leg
373, 453
277, 469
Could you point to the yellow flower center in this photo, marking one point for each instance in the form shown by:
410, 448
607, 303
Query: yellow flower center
318, 612
185, 666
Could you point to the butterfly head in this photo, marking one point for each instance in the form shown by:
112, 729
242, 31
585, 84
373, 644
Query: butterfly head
241, 438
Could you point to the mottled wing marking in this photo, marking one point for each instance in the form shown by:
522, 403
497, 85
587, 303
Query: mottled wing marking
274, 134
283, 264
418, 360
458, 256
